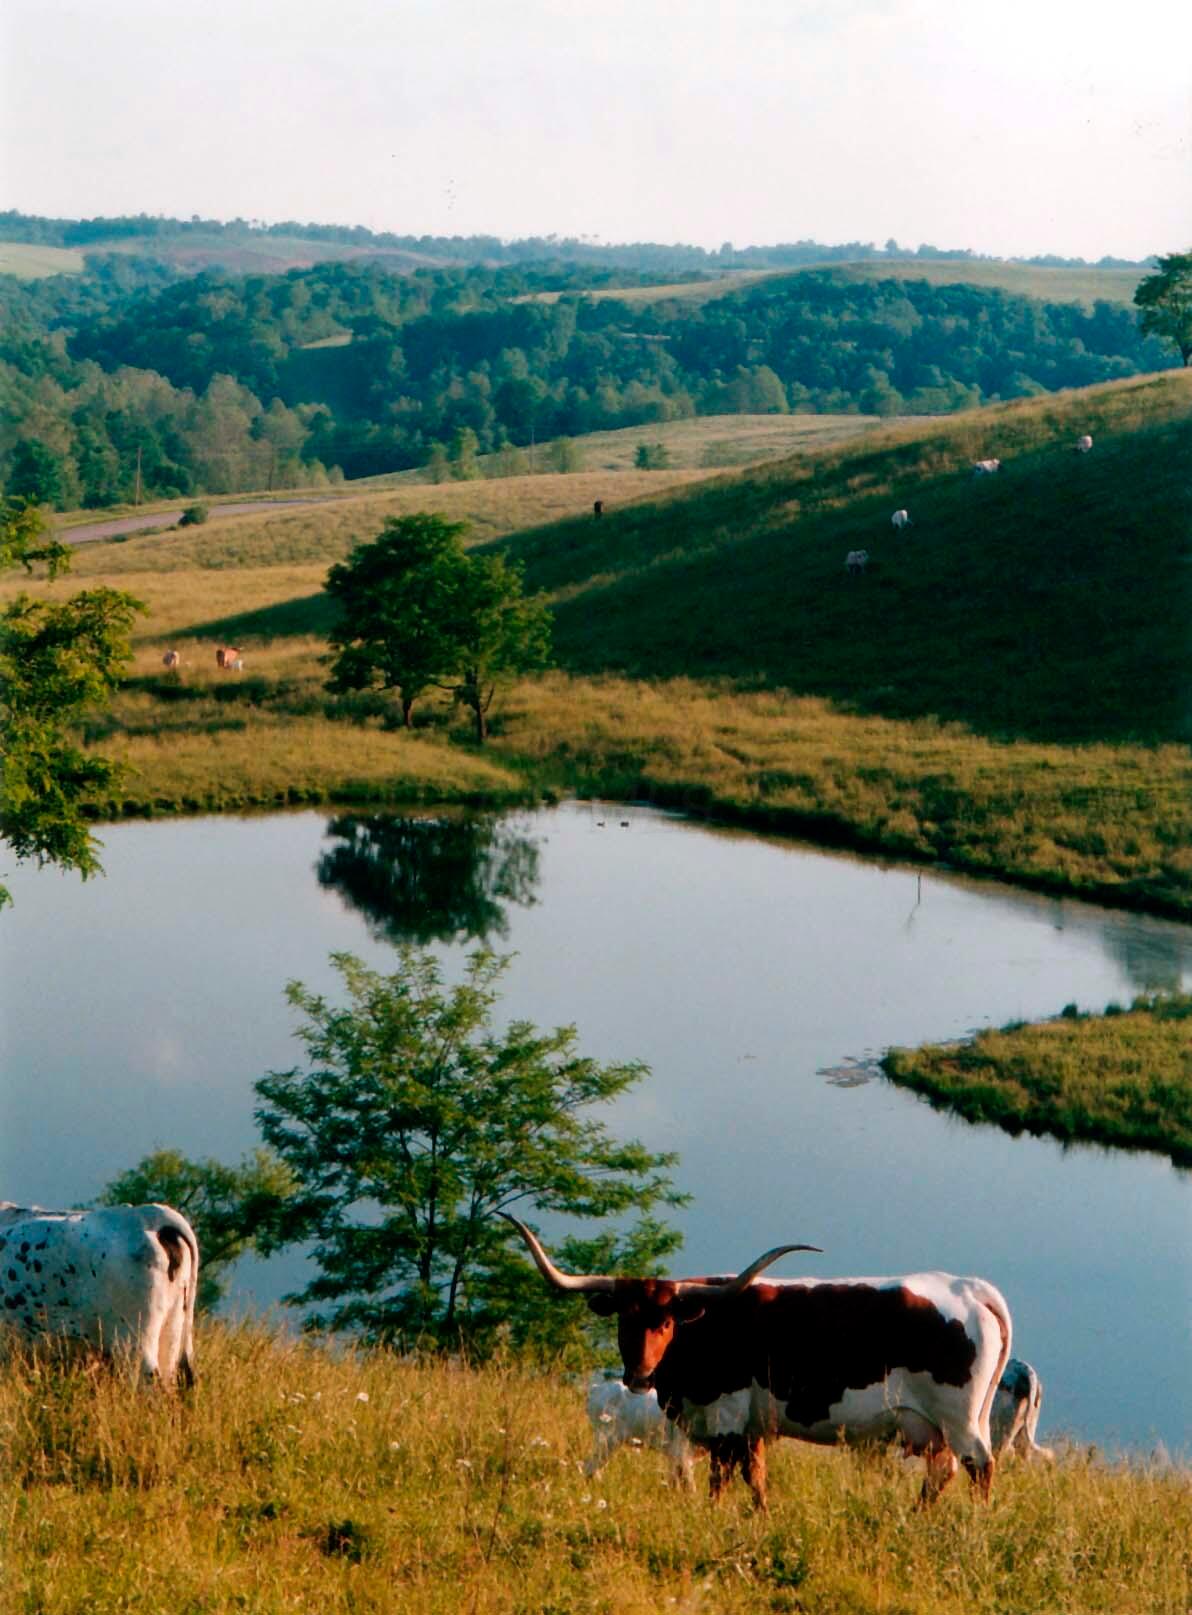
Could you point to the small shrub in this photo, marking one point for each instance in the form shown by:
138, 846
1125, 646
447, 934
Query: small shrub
193, 516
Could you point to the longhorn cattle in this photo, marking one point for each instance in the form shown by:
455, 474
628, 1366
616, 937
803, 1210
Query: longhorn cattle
901, 519
1014, 1418
860, 1360
618, 1417
119, 1280
986, 468
855, 562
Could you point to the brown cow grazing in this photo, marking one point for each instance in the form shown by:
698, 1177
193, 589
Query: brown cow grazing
221, 656
598, 508
171, 659
915, 1358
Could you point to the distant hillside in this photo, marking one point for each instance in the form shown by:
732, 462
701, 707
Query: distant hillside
1052, 600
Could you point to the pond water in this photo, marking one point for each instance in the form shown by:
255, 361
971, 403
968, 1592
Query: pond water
759, 979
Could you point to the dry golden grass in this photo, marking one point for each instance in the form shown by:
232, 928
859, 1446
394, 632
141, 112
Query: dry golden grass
294, 1480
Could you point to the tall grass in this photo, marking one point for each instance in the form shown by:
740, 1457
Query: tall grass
1123, 1079
295, 1479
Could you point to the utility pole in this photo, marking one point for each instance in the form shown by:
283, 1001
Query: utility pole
137, 495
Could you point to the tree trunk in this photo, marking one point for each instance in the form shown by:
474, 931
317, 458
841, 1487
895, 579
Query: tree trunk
406, 708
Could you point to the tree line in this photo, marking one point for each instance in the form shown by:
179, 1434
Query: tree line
215, 382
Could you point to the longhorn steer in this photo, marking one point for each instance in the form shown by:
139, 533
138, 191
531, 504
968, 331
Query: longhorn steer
915, 1358
119, 1280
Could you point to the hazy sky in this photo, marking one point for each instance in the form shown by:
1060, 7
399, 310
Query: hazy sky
1017, 126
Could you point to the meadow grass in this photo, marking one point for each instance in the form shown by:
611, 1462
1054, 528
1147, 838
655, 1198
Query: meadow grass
297, 1478
29, 260
1123, 1079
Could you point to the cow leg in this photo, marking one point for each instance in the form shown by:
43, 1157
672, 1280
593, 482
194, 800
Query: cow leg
725, 1453
941, 1466
754, 1467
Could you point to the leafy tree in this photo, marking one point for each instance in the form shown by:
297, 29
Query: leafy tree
396, 602
57, 662
651, 457
462, 454
498, 632
228, 1206
417, 611
36, 473
564, 455
416, 1124
1165, 302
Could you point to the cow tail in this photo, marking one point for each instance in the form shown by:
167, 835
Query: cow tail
995, 1303
172, 1238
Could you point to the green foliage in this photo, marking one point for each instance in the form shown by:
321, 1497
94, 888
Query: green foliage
58, 662
227, 1205
193, 516
417, 1123
564, 455
1165, 302
416, 611
36, 473
651, 457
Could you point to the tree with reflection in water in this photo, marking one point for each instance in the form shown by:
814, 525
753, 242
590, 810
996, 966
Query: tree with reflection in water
431, 879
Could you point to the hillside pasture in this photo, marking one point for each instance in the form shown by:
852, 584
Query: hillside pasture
29, 260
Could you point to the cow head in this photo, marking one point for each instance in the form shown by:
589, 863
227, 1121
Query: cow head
648, 1311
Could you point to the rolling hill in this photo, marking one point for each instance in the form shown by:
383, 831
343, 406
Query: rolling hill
1051, 601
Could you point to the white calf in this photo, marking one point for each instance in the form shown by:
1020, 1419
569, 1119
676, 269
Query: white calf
986, 468
1014, 1417
620, 1416
855, 562
900, 519
1084, 444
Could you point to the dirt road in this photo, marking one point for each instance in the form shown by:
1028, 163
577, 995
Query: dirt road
120, 525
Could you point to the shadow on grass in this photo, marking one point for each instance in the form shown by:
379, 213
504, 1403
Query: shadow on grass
288, 619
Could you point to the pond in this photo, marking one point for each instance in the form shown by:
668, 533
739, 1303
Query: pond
758, 978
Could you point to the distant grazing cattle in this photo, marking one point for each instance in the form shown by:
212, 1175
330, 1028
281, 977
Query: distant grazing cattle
229, 658
598, 508
119, 1280
1084, 444
1014, 1418
171, 659
221, 656
986, 468
620, 1417
915, 1358
900, 519
855, 562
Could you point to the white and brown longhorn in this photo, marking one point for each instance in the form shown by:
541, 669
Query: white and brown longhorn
915, 1358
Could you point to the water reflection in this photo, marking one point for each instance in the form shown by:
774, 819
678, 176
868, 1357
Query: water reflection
431, 879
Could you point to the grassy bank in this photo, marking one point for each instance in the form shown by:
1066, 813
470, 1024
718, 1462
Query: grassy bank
1123, 1079
294, 1480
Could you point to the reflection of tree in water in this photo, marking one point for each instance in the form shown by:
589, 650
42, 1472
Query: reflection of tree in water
1154, 960
431, 880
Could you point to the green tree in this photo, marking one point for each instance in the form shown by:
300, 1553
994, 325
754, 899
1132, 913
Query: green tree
416, 1124
396, 600
36, 473
498, 633
437, 463
465, 467
58, 662
564, 455
228, 1206
1164, 300
651, 457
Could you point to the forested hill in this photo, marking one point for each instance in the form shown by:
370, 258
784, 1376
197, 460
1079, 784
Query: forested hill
218, 382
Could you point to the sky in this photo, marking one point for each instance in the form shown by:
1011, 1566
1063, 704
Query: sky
1012, 128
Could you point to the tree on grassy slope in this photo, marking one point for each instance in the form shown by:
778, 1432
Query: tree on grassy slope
1165, 302
417, 611
416, 1124
57, 663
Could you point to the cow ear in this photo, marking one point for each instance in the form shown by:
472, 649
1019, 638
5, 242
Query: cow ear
603, 1304
688, 1308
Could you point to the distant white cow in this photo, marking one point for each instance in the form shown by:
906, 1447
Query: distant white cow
1014, 1417
119, 1280
1084, 444
621, 1417
900, 519
986, 468
855, 562
171, 659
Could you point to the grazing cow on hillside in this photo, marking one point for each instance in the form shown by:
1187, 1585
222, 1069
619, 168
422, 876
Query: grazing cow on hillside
1084, 444
619, 1416
171, 659
1014, 1418
900, 519
914, 1358
855, 562
986, 468
119, 1280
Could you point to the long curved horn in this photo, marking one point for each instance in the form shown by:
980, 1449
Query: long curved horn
743, 1279
577, 1283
